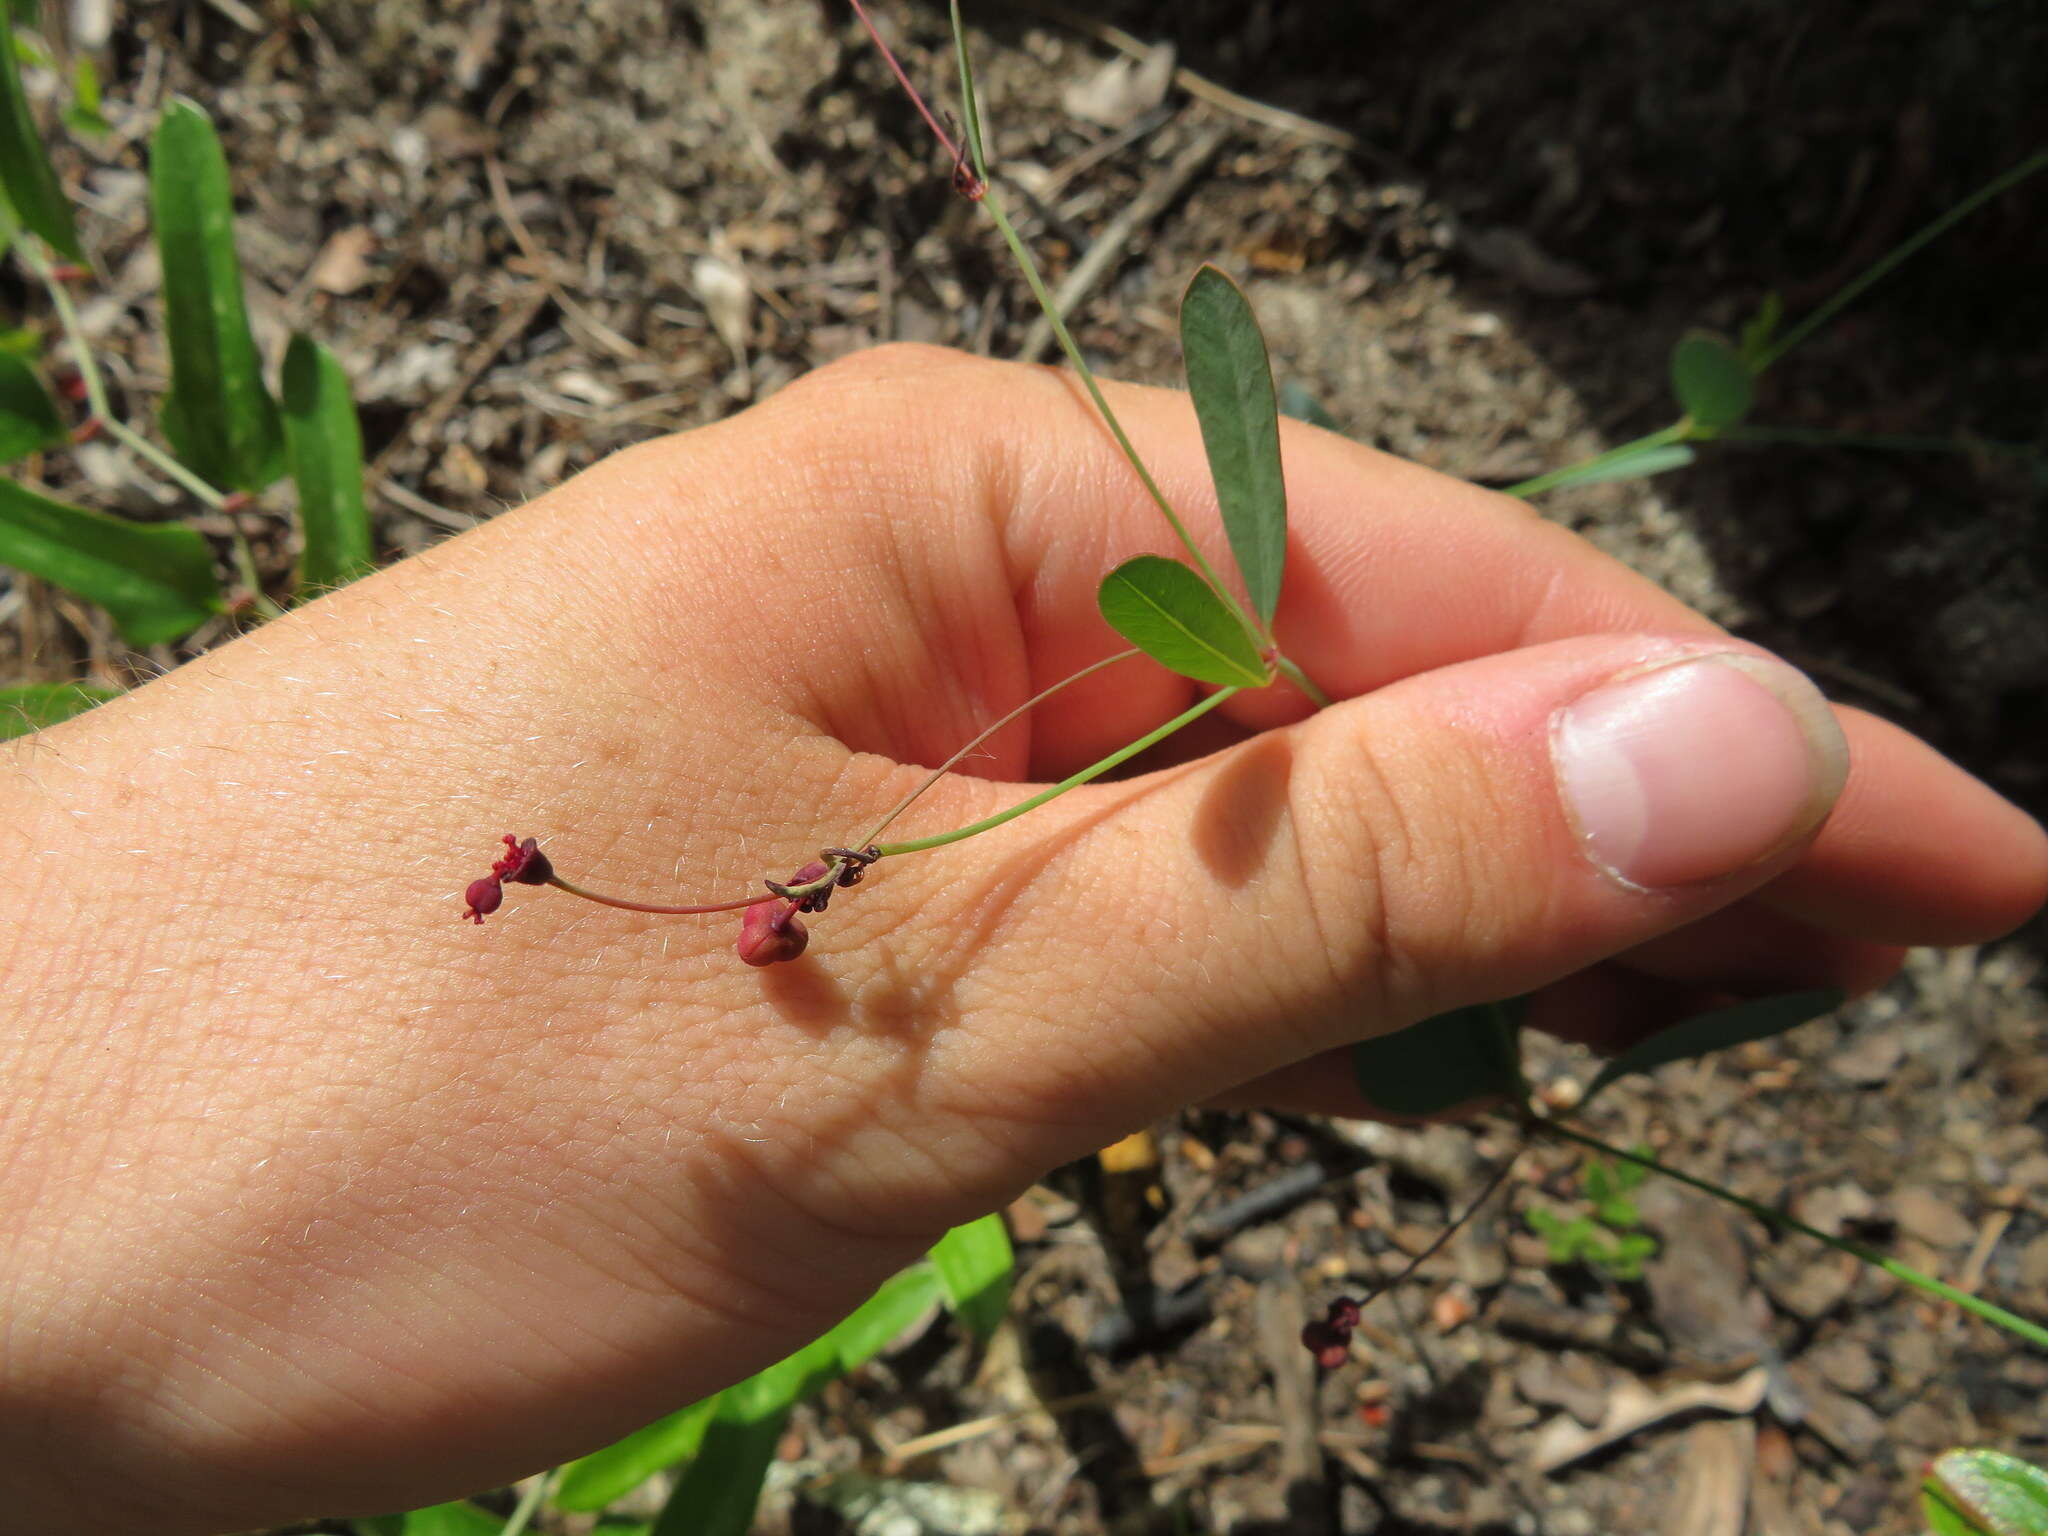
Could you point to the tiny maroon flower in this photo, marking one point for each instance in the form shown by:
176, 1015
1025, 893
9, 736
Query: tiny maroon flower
484, 897
1329, 1338
523, 863
770, 932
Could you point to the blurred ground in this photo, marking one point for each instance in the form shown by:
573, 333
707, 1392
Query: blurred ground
536, 232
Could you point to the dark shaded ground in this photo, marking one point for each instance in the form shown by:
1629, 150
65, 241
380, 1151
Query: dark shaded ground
515, 221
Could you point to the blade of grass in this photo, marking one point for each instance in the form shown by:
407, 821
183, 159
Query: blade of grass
25, 173
326, 449
218, 414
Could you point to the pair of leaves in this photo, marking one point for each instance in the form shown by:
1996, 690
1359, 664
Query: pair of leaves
729, 1439
1164, 607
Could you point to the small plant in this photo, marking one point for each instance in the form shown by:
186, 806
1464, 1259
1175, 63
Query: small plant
230, 442
1605, 1232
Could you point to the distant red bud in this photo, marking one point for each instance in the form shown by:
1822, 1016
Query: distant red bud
770, 932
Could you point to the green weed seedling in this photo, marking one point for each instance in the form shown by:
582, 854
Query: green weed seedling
1604, 1232
232, 444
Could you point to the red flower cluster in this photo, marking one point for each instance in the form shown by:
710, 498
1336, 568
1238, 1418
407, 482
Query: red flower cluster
523, 862
1329, 1339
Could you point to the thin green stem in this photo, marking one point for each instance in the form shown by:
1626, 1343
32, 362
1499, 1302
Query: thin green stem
2033, 1333
954, 761
96, 386
1883, 266
529, 1504
1067, 344
1675, 433
1072, 781
1302, 680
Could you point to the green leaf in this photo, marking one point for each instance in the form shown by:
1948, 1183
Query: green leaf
460, 1518
326, 450
1638, 464
1984, 1493
717, 1495
1758, 1019
1172, 615
83, 116
1617, 1212
1629, 1254
1713, 382
902, 1299
155, 579
37, 706
1454, 1058
25, 173
217, 415
1232, 385
975, 1265
1761, 332
593, 1481
28, 416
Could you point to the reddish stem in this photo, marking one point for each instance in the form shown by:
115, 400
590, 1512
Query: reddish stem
956, 151
648, 906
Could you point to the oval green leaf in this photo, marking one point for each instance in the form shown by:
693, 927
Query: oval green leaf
1442, 1062
156, 580
1713, 382
326, 449
1758, 1019
1231, 381
900, 1301
1172, 615
28, 416
974, 1265
36, 706
218, 416
459, 1518
1985, 1493
25, 173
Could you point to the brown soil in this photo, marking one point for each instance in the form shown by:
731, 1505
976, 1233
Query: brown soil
510, 218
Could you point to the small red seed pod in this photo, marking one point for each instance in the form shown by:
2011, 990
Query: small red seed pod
770, 933
484, 897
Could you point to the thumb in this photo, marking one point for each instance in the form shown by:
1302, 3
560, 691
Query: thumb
1468, 833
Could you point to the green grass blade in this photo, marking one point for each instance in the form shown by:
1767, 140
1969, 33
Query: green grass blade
325, 443
459, 1518
718, 1493
591, 1482
218, 415
1172, 615
28, 416
975, 1265
901, 1300
970, 105
1712, 381
156, 580
1758, 1019
1442, 1062
37, 706
1231, 381
25, 173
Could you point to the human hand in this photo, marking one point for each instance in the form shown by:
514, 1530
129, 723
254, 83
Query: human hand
320, 1200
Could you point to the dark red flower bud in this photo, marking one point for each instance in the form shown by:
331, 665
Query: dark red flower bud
770, 932
1330, 1346
1329, 1338
484, 897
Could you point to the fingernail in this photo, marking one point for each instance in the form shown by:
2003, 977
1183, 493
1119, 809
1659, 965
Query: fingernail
1697, 768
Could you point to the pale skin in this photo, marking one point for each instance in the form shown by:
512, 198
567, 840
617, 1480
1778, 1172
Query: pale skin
319, 1200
